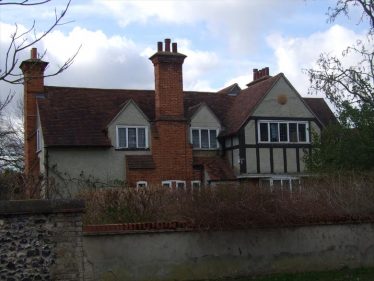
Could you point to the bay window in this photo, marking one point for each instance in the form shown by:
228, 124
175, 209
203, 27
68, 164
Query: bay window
283, 132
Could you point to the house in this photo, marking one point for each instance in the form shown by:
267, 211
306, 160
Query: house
168, 136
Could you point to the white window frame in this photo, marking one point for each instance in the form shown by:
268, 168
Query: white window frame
140, 183
168, 183
127, 136
204, 128
306, 123
284, 181
38, 140
195, 182
178, 182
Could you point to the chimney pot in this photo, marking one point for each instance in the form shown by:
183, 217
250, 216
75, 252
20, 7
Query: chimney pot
255, 74
167, 45
175, 47
34, 53
267, 71
159, 46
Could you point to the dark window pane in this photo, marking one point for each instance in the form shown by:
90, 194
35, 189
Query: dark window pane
132, 137
195, 184
213, 138
283, 133
293, 132
121, 137
274, 132
302, 132
204, 139
264, 134
166, 184
195, 139
141, 137
180, 185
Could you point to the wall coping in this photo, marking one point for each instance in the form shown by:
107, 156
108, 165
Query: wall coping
17, 207
168, 227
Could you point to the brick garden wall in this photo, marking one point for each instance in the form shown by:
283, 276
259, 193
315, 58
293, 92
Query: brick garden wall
41, 240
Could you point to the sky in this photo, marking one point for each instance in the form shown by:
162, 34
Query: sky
224, 40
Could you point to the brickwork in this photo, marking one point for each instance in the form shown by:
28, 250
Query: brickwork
171, 150
41, 240
33, 71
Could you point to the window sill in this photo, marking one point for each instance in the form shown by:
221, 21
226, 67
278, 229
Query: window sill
281, 142
131, 149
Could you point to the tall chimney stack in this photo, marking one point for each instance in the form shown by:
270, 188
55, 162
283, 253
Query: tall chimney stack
168, 81
33, 73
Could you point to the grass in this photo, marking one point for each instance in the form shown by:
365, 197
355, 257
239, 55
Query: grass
360, 274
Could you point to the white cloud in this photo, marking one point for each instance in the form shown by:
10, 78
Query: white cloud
102, 62
113, 61
236, 23
293, 54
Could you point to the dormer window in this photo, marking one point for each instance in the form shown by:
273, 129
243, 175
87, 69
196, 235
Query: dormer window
132, 137
204, 138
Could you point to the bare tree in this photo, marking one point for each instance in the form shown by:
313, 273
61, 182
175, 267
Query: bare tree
355, 83
20, 41
351, 89
344, 6
11, 130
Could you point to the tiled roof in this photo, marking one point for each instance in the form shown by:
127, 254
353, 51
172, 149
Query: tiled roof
80, 116
321, 110
245, 103
140, 162
216, 168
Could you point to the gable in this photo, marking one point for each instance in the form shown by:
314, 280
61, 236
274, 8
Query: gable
129, 115
204, 117
282, 101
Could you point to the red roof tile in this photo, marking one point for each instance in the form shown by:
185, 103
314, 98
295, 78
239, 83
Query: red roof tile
216, 167
321, 110
245, 103
140, 162
80, 116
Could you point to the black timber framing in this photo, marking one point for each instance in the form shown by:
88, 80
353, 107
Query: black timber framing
242, 152
284, 160
257, 149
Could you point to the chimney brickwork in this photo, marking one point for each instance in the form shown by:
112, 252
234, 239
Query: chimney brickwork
258, 74
168, 81
171, 149
33, 71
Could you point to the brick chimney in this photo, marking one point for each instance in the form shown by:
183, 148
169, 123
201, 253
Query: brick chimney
168, 81
33, 72
258, 74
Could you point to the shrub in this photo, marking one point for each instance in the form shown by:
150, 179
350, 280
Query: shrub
333, 198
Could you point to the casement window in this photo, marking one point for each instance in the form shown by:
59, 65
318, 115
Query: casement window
141, 184
203, 138
38, 140
283, 131
166, 184
178, 184
132, 137
195, 185
290, 183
